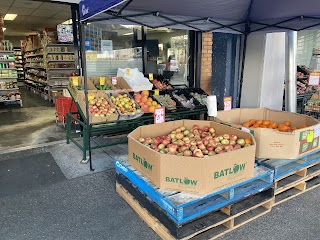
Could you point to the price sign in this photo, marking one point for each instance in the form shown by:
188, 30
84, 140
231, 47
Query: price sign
227, 102
128, 71
159, 115
102, 81
314, 78
114, 80
310, 136
151, 76
156, 92
75, 81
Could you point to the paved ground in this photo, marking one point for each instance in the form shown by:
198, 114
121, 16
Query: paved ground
86, 206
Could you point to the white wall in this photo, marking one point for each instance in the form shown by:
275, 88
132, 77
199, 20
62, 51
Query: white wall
264, 71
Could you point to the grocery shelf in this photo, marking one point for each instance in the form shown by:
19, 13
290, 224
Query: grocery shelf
43, 83
60, 52
6, 52
6, 60
9, 89
60, 60
36, 67
35, 49
58, 77
59, 44
34, 55
49, 69
8, 69
58, 88
8, 77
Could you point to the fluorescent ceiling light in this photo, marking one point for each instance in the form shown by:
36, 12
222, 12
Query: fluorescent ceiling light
10, 17
128, 26
3, 29
127, 34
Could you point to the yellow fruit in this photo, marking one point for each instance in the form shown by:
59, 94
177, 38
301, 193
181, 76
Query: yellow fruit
151, 109
154, 103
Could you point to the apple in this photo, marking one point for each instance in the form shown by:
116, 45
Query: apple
173, 136
204, 134
225, 141
197, 137
193, 142
178, 130
228, 147
179, 135
233, 137
226, 136
197, 153
212, 130
148, 140
247, 145
199, 142
180, 154
218, 149
208, 138
213, 143
206, 128
191, 135
184, 148
200, 131
211, 153
157, 140
192, 148
186, 132
241, 142
166, 137
232, 142
205, 152
210, 148
187, 153
180, 143
161, 146
220, 138
186, 139
182, 128
165, 142
205, 142
163, 151
154, 146
221, 152
237, 146
196, 132
201, 146
195, 127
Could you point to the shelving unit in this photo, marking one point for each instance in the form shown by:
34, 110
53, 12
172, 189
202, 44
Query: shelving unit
19, 63
9, 90
60, 61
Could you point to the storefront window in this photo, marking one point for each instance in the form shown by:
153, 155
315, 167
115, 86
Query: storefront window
109, 47
168, 54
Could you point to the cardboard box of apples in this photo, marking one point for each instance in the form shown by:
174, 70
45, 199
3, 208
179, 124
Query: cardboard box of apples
100, 107
279, 134
193, 156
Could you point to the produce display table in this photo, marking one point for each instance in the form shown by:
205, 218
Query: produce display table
118, 127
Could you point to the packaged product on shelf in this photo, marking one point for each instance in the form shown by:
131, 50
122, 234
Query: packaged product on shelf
279, 134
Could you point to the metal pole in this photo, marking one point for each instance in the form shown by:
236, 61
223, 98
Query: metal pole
244, 49
291, 71
84, 72
144, 48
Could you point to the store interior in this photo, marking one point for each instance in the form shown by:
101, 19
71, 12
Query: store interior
37, 60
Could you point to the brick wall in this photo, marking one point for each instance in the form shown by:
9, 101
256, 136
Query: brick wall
206, 62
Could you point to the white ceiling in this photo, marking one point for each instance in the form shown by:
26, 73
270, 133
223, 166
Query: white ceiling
32, 16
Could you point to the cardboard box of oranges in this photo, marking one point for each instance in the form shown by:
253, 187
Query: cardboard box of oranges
279, 134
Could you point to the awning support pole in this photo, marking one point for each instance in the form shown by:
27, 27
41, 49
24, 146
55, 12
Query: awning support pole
291, 71
84, 72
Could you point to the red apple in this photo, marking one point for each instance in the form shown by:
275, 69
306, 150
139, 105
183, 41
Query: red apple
200, 131
218, 149
205, 142
178, 130
210, 148
199, 142
195, 127
157, 140
221, 152
197, 153
148, 140
232, 142
180, 143
214, 143
191, 135
165, 142
154, 146
233, 137
206, 128
205, 152
187, 153
226, 136
201, 146
186, 139
193, 142
196, 132
192, 148
172, 148
237, 146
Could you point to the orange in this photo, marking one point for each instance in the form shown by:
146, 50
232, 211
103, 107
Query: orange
150, 99
270, 126
151, 109
154, 103
141, 103
274, 125
282, 128
144, 99
246, 124
255, 125
149, 103
145, 93
266, 122
252, 121
263, 126
287, 123
248, 141
259, 122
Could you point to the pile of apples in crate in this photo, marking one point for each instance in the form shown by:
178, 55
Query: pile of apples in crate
99, 106
195, 142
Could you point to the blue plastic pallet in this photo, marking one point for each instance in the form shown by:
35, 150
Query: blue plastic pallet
183, 207
283, 167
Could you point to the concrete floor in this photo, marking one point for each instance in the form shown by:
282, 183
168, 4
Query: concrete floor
32, 124
86, 206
